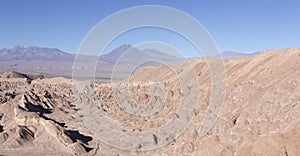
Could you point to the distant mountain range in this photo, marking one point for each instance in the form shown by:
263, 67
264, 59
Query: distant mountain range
54, 62
34, 53
234, 54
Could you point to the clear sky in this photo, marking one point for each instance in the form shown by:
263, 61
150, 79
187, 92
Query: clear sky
239, 25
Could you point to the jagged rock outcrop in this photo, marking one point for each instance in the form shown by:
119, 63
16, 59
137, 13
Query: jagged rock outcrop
28, 77
31, 118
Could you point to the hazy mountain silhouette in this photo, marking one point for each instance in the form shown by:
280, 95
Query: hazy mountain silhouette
129, 54
126, 59
233, 54
34, 53
115, 54
54, 62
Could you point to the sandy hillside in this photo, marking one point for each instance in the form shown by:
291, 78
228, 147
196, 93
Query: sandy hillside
260, 114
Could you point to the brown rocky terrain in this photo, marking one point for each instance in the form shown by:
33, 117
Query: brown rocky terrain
260, 114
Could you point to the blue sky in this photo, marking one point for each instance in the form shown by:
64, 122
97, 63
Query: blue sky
244, 26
